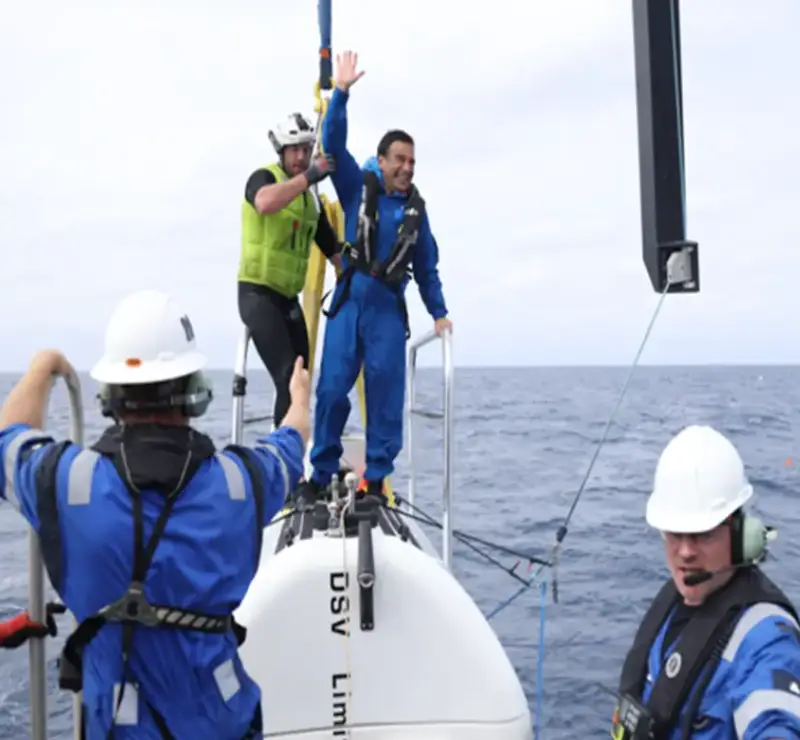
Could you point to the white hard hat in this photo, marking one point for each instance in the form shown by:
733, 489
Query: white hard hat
148, 340
295, 129
699, 481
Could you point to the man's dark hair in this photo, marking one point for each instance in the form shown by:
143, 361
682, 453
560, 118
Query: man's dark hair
390, 137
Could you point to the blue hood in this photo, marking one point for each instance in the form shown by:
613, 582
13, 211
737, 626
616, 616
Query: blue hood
371, 165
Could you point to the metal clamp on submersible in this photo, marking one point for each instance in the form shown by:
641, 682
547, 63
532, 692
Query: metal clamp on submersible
364, 515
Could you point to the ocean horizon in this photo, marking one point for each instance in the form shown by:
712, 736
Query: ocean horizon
523, 440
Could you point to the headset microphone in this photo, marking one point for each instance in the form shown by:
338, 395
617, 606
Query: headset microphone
701, 576
695, 579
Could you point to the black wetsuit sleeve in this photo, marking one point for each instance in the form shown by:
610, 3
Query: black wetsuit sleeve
326, 238
255, 182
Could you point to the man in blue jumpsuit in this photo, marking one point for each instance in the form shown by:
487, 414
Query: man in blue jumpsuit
388, 236
717, 656
151, 537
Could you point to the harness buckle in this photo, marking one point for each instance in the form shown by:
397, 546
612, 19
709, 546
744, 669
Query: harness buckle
350, 251
132, 607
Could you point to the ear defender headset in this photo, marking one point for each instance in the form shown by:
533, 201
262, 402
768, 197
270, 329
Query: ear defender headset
192, 395
749, 538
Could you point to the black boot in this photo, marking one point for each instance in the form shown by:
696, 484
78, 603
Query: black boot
375, 488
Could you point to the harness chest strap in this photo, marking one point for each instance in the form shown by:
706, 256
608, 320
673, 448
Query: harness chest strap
703, 637
134, 608
395, 267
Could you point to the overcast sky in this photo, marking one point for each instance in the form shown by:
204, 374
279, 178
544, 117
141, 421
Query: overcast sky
128, 129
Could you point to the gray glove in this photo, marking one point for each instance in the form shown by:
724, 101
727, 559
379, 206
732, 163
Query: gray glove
320, 168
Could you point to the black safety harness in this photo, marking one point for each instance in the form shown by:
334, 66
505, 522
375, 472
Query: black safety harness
690, 666
397, 266
133, 610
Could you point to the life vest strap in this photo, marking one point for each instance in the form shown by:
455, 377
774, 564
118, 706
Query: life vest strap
395, 267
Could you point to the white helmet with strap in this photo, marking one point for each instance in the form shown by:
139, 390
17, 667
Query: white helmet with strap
150, 340
296, 129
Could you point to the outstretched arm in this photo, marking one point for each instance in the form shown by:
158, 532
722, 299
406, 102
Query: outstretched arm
281, 453
280, 456
23, 444
347, 177
24, 450
26, 404
425, 267
267, 195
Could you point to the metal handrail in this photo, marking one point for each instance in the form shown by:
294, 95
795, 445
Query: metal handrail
239, 379
448, 418
36, 588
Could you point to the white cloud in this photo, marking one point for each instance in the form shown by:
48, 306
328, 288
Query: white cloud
128, 130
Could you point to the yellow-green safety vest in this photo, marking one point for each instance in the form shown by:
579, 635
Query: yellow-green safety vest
276, 246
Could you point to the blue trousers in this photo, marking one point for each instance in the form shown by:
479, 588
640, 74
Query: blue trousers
373, 334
